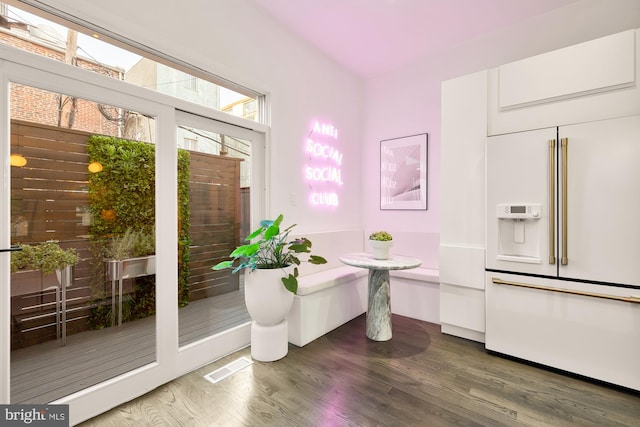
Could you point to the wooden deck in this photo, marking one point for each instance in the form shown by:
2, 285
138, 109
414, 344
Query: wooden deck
48, 371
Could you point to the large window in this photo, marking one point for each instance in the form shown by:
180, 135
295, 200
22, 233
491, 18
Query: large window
89, 51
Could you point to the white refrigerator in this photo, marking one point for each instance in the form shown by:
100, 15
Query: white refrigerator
563, 248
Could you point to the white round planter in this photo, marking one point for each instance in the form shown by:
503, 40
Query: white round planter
268, 303
380, 248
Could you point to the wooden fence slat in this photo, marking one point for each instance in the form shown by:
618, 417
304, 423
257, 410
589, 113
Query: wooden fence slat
51, 194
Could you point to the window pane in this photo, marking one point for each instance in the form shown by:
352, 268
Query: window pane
38, 35
218, 192
78, 190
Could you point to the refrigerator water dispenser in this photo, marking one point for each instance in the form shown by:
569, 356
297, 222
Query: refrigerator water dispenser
519, 232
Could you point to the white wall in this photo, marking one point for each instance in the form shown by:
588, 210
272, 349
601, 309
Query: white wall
407, 101
237, 41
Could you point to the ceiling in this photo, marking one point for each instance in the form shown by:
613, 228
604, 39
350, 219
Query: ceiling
371, 37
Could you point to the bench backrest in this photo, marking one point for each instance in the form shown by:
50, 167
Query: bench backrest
421, 245
330, 245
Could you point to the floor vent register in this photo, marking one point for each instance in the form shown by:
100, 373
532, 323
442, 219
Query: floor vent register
228, 370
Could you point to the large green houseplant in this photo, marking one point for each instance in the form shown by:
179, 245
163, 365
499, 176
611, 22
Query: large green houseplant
271, 249
272, 261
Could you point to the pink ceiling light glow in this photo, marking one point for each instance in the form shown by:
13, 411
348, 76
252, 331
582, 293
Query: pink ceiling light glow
323, 169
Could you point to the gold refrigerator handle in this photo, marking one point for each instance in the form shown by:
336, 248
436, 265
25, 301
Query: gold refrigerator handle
565, 154
552, 201
631, 299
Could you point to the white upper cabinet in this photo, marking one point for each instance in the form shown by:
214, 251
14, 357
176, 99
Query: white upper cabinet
594, 80
599, 65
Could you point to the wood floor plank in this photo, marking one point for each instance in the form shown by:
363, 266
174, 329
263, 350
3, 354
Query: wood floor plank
419, 378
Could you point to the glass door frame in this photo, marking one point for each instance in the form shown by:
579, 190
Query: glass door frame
94, 399
29, 69
201, 352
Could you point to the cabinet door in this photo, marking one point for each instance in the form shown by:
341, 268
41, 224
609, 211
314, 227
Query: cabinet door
520, 171
590, 336
603, 197
582, 69
595, 80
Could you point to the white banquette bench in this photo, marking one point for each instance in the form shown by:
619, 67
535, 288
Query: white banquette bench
332, 294
415, 293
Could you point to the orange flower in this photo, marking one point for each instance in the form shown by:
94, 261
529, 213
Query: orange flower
108, 214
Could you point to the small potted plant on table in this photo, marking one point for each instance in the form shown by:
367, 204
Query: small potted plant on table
381, 242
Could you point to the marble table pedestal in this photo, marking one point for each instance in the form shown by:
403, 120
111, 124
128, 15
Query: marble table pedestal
379, 298
379, 306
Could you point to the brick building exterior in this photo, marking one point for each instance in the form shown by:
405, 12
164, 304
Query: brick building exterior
44, 107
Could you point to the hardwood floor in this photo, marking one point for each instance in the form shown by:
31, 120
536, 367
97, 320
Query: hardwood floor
419, 378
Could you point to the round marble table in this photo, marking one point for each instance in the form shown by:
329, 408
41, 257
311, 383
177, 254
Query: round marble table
379, 301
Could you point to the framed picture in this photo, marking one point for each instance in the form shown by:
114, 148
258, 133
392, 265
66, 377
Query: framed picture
403, 172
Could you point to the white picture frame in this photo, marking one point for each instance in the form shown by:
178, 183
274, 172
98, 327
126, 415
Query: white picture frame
403, 173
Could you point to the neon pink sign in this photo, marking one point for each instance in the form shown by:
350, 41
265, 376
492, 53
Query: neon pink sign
323, 174
325, 129
323, 169
325, 151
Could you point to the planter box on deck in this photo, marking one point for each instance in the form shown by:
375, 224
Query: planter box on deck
118, 270
131, 267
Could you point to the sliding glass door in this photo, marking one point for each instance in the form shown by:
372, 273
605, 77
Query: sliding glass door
96, 175
79, 199
224, 182
83, 214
